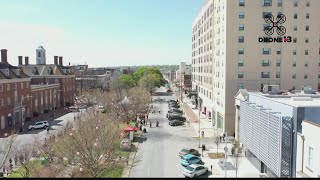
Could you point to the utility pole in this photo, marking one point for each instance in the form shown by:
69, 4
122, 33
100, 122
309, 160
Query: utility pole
21, 119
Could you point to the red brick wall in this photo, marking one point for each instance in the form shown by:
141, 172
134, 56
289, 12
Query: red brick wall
23, 89
48, 104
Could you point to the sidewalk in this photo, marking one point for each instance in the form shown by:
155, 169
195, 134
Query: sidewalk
193, 116
127, 169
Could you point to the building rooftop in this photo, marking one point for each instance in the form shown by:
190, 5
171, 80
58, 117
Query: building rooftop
294, 98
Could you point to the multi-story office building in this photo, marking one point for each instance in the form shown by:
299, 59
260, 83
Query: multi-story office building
227, 54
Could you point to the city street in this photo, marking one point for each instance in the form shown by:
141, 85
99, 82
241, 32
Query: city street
157, 155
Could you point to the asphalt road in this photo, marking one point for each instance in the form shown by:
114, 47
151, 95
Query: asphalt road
157, 155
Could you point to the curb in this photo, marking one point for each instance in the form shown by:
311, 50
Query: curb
132, 155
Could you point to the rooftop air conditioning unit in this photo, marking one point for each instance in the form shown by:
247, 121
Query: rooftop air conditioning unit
307, 90
271, 89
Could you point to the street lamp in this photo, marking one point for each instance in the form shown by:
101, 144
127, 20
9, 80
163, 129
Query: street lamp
225, 155
22, 123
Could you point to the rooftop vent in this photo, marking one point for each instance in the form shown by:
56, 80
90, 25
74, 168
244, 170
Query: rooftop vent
271, 89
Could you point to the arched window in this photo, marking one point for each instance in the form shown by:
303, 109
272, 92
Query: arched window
39, 54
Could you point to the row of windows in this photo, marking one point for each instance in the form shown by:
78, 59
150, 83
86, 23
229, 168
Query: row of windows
267, 75
267, 51
279, 3
14, 87
295, 28
264, 14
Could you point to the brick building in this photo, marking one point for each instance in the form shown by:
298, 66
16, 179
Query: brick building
14, 91
42, 73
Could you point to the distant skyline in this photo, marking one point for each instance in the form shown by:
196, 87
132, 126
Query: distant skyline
100, 32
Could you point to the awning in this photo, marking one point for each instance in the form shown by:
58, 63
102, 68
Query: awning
131, 128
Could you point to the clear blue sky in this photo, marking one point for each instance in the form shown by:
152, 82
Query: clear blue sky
100, 32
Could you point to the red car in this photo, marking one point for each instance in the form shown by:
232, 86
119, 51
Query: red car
169, 90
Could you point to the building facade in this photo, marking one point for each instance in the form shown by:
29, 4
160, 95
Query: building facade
15, 90
227, 54
268, 125
56, 73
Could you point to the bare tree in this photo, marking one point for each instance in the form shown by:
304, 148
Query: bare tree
216, 139
90, 144
236, 154
6, 147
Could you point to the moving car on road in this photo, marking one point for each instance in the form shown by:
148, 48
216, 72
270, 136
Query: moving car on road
190, 159
176, 123
175, 110
39, 125
186, 151
194, 170
173, 106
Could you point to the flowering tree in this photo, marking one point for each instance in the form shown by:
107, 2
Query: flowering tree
6, 147
90, 144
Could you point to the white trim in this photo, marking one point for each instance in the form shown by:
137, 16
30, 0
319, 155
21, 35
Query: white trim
3, 81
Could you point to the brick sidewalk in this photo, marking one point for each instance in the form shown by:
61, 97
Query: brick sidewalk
189, 112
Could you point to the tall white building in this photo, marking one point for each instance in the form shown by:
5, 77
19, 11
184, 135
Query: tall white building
227, 54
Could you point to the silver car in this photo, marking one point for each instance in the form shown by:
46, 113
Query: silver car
39, 125
194, 170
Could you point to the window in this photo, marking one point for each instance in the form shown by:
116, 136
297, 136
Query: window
22, 85
307, 16
1, 88
240, 86
294, 64
295, 16
240, 62
306, 52
307, 28
266, 51
241, 2
319, 76
294, 40
264, 14
278, 63
8, 101
294, 52
240, 75
39, 54
295, 4
241, 39
240, 51
241, 15
305, 76
295, 28
265, 74
278, 51
267, 3
278, 75
306, 64
279, 2
308, 4
266, 62
241, 27
1, 102
8, 87
293, 87
294, 76
306, 40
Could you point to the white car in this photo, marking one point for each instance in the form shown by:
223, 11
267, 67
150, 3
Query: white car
39, 125
194, 170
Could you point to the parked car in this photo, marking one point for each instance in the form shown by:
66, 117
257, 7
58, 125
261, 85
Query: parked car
39, 125
175, 114
180, 118
186, 151
174, 106
171, 110
190, 159
194, 170
176, 123
172, 101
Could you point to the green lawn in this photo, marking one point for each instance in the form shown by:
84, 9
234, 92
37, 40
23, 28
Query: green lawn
33, 165
113, 172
